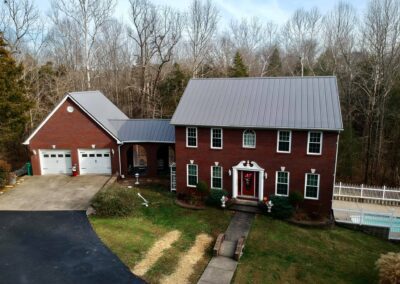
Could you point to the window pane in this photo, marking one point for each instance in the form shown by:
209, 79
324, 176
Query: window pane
52, 155
106, 155
192, 180
284, 146
98, 155
67, 155
91, 155
46, 155
314, 148
216, 138
312, 185
249, 138
282, 189
84, 155
192, 136
312, 191
284, 135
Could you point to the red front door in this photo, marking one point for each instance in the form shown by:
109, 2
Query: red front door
248, 183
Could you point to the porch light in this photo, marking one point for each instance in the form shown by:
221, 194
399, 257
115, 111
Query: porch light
266, 175
112, 152
229, 172
53, 146
137, 178
93, 146
34, 152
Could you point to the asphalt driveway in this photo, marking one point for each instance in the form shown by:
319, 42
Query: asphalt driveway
56, 247
52, 193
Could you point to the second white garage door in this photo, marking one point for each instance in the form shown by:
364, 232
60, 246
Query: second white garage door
94, 161
55, 161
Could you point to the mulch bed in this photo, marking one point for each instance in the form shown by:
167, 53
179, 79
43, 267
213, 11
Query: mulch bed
189, 206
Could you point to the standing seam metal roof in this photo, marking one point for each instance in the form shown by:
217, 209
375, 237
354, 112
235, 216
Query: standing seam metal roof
144, 130
278, 102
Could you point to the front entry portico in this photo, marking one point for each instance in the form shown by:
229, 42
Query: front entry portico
248, 180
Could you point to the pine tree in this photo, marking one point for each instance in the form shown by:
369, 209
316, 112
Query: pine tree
275, 65
238, 69
14, 104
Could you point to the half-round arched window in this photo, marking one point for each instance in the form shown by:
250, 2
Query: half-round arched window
249, 138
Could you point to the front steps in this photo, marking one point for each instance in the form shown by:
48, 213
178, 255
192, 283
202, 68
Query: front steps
246, 206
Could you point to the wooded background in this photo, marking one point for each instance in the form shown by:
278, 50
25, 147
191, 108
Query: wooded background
144, 64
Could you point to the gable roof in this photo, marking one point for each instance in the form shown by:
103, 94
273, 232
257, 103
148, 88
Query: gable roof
94, 104
144, 130
278, 102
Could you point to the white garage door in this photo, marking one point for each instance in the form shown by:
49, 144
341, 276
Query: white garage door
94, 161
55, 161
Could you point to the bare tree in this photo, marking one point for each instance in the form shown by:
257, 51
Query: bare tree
300, 34
156, 32
381, 46
201, 26
18, 21
89, 16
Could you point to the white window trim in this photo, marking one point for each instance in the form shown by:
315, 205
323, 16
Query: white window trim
187, 174
290, 142
255, 139
276, 183
308, 143
222, 178
211, 138
305, 186
187, 137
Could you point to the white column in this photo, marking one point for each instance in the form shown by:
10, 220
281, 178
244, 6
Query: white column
234, 183
261, 185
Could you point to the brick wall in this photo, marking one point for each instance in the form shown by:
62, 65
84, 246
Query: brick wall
71, 131
298, 163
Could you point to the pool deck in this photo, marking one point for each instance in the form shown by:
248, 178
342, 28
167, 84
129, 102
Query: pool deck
368, 207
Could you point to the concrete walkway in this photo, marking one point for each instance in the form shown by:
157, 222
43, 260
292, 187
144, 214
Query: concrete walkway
220, 269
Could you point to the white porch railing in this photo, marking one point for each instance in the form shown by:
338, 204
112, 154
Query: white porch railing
366, 192
377, 219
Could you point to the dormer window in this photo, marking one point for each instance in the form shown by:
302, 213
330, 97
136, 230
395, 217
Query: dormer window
249, 138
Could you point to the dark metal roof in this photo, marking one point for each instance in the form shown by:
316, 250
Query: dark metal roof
144, 130
278, 102
100, 107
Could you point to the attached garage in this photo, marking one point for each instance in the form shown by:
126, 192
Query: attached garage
55, 161
94, 161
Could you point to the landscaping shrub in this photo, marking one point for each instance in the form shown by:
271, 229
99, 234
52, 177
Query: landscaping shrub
214, 198
5, 169
114, 201
202, 188
282, 209
296, 198
389, 268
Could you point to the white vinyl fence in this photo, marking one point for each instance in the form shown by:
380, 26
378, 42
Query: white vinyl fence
366, 192
362, 217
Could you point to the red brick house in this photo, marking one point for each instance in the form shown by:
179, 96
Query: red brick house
88, 131
253, 137
257, 137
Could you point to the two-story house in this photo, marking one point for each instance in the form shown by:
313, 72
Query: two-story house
257, 137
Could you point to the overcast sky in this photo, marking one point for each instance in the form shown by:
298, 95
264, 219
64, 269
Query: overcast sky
277, 11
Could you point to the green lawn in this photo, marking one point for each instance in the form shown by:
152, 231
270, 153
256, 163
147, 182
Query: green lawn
277, 252
131, 237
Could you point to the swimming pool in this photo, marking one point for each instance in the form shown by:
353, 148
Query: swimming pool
378, 220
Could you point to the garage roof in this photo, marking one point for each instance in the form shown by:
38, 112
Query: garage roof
100, 107
279, 102
144, 130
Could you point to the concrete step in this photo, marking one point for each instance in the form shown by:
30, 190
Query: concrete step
228, 248
245, 208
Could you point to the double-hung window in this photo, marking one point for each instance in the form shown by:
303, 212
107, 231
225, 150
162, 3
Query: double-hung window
311, 190
249, 138
192, 175
282, 183
191, 137
216, 138
284, 141
314, 145
216, 177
